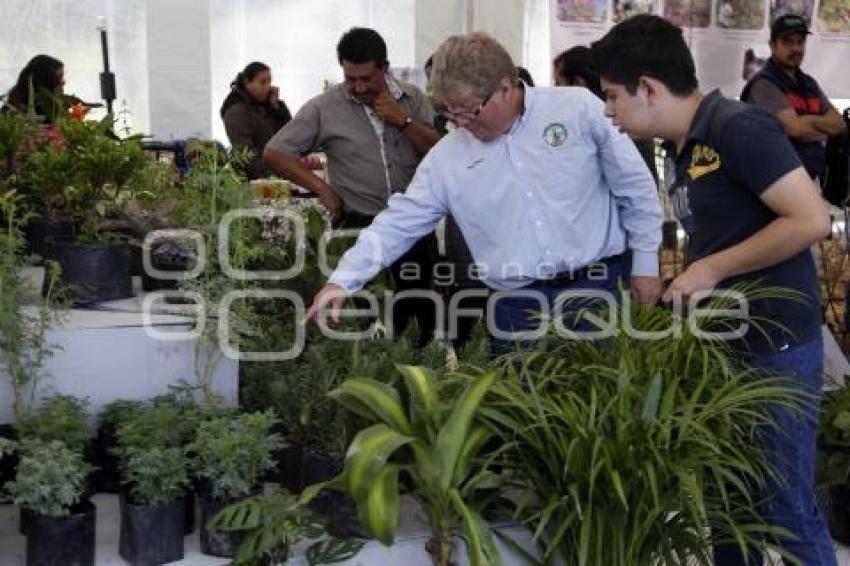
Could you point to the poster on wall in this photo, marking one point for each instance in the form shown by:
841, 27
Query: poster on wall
728, 38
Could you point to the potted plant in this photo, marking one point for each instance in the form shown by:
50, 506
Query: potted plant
105, 442
833, 462
153, 507
61, 417
231, 455
87, 180
273, 524
167, 423
635, 451
433, 438
22, 331
50, 483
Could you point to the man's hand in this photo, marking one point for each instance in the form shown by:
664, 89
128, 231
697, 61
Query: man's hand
330, 295
332, 202
274, 95
700, 276
645, 289
389, 110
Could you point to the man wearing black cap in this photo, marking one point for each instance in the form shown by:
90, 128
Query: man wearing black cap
794, 97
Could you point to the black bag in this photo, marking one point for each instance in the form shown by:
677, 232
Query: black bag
835, 181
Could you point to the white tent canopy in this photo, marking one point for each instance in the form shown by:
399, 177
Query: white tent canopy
174, 59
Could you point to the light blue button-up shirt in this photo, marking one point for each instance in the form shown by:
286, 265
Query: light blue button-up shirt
562, 189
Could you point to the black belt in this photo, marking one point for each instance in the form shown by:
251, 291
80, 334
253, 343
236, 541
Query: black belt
566, 277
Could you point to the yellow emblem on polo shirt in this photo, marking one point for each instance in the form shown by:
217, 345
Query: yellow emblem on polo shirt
704, 160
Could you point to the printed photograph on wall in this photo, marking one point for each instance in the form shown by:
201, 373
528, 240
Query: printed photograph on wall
803, 8
834, 16
582, 11
625, 9
740, 14
688, 13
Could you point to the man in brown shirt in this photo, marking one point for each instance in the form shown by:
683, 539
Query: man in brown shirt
374, 131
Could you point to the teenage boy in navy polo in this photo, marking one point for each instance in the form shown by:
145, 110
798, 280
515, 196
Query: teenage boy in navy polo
794, 97
752, 213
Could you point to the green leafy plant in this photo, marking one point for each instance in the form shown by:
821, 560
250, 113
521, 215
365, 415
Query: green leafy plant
87, 177
834, 438
231, 453
163, 423
61, 418
15, 129
155, 475
435, 441
118, 412
51, 478
633, 451
7, 447
23, 332
274, 524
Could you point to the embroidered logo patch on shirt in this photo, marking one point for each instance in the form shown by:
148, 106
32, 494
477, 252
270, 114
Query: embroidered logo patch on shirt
704, 160
555, 134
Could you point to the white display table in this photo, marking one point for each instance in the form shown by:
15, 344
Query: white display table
105, 354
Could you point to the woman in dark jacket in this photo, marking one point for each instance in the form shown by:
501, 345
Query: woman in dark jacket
40, 84
253, 113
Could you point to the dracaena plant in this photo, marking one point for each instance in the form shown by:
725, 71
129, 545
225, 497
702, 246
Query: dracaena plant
633, 451
433, 438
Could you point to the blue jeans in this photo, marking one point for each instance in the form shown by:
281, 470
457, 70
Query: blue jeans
792, 504
518, 313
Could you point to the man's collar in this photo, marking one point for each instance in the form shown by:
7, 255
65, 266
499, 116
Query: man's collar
702, 117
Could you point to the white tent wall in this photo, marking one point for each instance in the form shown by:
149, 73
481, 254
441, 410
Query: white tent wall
179, 68
174, 60
68, 31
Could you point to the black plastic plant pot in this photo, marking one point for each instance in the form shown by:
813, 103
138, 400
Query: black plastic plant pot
189, 513
316, 468
40, 233
834, 503
95, 273
9, 462
289, 471
223, 544
152, 534
63, 541
167, 256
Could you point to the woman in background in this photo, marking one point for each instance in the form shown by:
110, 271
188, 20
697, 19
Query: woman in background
40, 86
253, 113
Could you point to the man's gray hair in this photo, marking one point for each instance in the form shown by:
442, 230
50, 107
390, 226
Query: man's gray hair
472, 64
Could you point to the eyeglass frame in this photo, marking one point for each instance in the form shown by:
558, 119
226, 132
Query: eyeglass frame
467, 115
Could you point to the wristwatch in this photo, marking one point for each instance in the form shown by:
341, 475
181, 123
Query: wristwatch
407, 121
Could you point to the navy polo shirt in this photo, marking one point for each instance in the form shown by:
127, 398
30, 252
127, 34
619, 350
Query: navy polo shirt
732, 153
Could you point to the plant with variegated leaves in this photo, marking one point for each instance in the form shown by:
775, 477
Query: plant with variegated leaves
434, 438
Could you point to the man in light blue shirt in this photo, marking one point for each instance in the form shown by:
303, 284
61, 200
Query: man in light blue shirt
542, 186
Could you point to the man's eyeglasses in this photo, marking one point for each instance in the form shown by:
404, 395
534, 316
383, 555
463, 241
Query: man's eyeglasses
467, 115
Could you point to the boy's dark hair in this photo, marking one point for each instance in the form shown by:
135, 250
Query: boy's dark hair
645, 45
362, 45
575, 62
